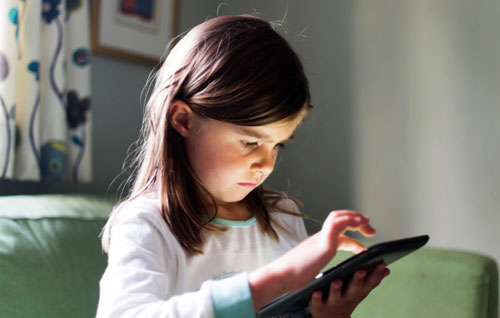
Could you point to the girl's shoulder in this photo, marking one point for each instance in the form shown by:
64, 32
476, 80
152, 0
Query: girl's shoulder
281, 206
143, 206
286, 213
138, 229
278, 200
287, 204
143, 216
283, 217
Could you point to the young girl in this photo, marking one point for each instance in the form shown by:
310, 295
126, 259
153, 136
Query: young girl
198, 235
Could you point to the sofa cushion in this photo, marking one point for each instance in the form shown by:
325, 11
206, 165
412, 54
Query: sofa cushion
50, 254
434, 282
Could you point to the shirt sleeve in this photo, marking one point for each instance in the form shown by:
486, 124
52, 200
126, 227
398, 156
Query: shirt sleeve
232, 297
301, 229
141, 277
293, 223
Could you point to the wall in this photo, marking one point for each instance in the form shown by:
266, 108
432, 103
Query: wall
426, 133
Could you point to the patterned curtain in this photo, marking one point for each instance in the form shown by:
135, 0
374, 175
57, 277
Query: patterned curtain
45, 90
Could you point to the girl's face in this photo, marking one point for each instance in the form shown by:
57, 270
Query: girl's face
232, 160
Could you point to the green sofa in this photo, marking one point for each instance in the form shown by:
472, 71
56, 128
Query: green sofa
51, 262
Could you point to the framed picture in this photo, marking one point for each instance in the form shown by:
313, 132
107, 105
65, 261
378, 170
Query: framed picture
137, 30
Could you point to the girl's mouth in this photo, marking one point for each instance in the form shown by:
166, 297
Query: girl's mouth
248, 184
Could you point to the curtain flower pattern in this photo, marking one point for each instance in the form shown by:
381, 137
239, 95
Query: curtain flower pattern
45, 90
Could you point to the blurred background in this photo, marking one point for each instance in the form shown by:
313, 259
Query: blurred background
405, 122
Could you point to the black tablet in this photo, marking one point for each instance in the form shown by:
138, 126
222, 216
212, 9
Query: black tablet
294, 304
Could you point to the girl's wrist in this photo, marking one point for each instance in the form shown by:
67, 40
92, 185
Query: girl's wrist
267, 284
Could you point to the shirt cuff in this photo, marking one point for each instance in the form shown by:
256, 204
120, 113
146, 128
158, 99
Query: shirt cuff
231, 297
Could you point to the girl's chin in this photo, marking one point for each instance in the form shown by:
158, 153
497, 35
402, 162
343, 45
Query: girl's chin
235, 199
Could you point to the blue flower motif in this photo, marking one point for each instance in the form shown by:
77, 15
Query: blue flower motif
4, 67
13, 17
77, 141
81, 57
50, 9
76, 110
34, 67
13, 14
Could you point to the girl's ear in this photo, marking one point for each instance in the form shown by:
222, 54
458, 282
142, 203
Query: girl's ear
180, 116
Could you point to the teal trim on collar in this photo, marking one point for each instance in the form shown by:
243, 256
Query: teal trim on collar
231, 223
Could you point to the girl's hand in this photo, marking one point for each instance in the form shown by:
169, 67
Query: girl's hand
300, 265
341, 304
335, 226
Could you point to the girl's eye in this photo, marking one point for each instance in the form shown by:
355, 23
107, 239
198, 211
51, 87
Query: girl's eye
249, 144
280, 146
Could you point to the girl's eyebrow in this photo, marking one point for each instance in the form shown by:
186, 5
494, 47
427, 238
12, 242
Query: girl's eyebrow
263, 137
288, 139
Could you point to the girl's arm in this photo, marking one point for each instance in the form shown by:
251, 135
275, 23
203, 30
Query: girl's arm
300, 265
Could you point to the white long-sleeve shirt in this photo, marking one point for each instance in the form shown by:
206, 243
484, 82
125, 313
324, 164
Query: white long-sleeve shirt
150, 275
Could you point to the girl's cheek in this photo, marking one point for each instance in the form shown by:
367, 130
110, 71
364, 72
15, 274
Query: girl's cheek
217, 163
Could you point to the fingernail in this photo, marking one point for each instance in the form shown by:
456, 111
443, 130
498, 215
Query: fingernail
317, 296
337, 284
361, 274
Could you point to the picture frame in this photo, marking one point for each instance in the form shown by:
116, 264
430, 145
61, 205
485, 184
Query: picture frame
135, 30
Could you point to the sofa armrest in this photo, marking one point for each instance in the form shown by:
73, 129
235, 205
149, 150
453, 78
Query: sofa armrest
50, 254
435, 283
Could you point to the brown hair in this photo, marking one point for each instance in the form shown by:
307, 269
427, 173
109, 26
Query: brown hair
235, 69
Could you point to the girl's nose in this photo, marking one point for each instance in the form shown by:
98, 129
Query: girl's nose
264, 162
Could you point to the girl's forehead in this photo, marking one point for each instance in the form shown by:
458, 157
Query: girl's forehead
276, 131
273, 132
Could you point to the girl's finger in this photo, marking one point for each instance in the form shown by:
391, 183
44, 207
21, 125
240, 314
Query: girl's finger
335, 294
356, 284
339, 224
348, 213
350, 245
367, 230
316, 301
346, 219
374, 279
